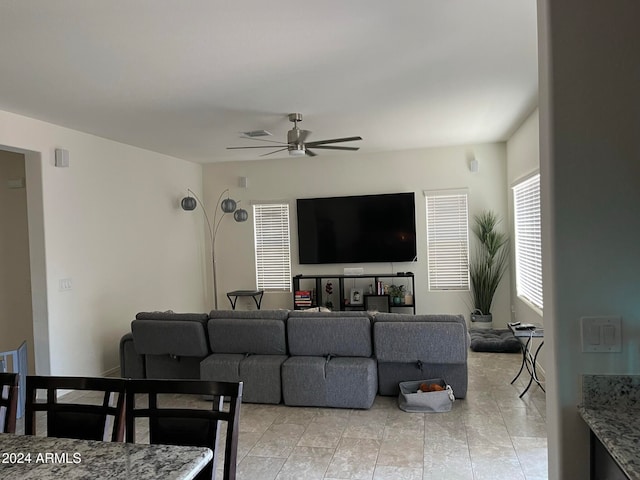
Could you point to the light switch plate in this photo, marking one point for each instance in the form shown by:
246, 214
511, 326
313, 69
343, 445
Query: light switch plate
601, 334
64, 284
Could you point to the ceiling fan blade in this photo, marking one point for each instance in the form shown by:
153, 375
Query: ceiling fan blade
330, 147
309, 153
261, 146
275, 151
334, 140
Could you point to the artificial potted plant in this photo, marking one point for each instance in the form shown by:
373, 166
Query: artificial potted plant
396, 292
488, 266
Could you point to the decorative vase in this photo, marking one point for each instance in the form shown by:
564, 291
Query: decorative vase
481, 322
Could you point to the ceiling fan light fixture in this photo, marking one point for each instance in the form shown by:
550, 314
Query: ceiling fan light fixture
296, 151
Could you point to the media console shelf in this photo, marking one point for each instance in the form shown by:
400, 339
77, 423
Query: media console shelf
352, 292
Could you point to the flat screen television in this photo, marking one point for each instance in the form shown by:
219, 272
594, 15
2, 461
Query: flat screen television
357, 229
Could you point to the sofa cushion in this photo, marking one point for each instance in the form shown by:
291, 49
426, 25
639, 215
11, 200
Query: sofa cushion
494, 341
260, 374
249, 314
322, 314
169, 315
173, 337
304, 381
406, 317
244, 335
427, 342
342, 382
351, 382
323, 334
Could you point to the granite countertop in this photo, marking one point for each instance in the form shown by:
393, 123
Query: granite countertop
611, 409
45, 458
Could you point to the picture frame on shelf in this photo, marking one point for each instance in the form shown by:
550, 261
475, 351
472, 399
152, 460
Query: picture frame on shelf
356, 296
376, 303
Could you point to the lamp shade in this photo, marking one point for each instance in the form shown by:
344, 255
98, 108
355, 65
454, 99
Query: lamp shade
188, 203
240, 215
228, 205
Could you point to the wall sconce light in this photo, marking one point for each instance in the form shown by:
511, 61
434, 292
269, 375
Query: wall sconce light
228, 205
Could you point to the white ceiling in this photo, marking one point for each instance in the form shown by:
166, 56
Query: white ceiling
185, 77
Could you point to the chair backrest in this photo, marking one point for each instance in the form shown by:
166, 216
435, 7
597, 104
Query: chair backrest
169, 424
8, 402
85, 417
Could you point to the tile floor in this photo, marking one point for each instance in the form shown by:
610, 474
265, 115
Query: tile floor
491, 434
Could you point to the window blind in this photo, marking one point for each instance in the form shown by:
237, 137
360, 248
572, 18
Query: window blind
272, 246
448, 241
526, 200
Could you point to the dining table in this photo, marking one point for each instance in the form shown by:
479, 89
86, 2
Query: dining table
26, 457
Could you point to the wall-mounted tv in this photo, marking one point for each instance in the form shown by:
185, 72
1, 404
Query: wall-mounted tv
357, 229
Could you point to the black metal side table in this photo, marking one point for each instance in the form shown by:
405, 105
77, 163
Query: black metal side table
529, 358
256, 294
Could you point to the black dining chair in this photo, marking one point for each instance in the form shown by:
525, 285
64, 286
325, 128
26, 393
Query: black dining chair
85, 417
173, 423
8, 402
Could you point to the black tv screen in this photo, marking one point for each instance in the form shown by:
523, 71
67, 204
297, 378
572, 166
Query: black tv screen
357, 229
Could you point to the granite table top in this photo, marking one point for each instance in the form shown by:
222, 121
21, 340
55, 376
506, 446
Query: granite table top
46, 458
611, 409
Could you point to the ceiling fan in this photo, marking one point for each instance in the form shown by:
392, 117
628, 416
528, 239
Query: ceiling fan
296, 144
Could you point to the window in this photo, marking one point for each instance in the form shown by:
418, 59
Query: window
448, 240
526, 203
273, 252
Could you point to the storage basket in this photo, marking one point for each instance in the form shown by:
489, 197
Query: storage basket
412, 400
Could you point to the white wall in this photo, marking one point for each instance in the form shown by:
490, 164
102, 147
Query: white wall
523, 160
590, 171
111, 223
16, 322
352, 174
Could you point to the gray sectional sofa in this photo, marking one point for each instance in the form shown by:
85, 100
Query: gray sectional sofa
335, 359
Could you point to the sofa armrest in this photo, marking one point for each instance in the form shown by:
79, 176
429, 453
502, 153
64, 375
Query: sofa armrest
132, 364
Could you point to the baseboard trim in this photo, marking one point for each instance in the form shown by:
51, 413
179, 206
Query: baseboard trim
112, 372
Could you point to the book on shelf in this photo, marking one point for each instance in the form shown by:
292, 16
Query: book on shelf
302, 298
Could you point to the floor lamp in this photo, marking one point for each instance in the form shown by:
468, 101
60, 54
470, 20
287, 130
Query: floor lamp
228, 205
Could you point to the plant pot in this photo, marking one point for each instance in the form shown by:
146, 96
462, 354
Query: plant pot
481, 322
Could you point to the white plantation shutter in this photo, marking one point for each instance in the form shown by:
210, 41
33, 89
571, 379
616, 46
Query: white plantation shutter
526, 202
273, 248
448, 240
